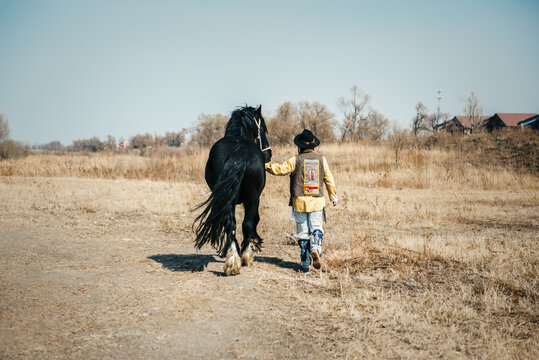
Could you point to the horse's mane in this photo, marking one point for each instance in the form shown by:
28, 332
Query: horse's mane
242, 123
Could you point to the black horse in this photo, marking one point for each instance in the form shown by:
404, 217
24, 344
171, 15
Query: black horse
235, 174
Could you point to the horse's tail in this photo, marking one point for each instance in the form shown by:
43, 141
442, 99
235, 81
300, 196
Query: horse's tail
218, 217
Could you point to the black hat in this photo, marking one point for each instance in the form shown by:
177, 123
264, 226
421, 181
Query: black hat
306, 140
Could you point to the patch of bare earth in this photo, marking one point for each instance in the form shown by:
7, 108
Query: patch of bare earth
97, 269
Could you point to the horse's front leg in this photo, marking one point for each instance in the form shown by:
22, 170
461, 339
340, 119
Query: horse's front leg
251, 240
232, 261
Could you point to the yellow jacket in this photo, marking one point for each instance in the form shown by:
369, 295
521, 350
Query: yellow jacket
305, 203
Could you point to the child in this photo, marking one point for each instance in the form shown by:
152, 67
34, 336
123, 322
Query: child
307, 170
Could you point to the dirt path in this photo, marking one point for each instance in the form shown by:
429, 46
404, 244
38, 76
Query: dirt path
80, 283
95, 298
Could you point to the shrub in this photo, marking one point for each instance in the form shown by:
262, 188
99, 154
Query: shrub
88, 145
10, 149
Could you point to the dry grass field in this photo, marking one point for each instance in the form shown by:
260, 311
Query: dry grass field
435, 256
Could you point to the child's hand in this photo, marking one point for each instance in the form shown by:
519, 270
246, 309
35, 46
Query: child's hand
334, 199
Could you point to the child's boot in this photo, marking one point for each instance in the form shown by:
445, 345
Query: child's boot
316, 248
305, 254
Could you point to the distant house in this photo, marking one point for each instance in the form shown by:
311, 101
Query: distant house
461, 124
124, 144
532, 123
500, 121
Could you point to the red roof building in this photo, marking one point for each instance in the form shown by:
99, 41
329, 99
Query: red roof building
502, 120
532, 123
459, 123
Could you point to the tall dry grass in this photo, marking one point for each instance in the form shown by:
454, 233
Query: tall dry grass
372, 165
179, 165
437, 253
436, 265
361, 164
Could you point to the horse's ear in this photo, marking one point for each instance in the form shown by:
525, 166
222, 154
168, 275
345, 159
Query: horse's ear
259, 111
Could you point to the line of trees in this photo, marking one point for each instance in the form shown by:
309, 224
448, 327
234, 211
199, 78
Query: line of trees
289, 119
358, 121
139, 141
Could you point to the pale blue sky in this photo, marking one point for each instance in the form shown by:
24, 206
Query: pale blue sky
72, 69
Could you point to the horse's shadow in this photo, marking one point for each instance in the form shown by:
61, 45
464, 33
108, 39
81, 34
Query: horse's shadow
199, 262
184, 262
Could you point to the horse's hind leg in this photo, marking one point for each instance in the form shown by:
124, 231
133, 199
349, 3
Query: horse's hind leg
232, 261
247, 257
250, 237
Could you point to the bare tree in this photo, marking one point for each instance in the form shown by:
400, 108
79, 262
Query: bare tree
4, 128
110, 143
474, 111
174, 139
208, 129
353, 125
142, 141
52, 146
418, 122
317, 118
284, 125
435, 120
397, 139
10, 149
90, 145
377, 125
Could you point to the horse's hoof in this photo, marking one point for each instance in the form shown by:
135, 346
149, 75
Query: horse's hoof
247, 257
232, 262
257, 244
232, 270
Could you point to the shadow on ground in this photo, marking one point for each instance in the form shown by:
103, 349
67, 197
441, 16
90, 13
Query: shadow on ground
199, 262
278, 262
189, 262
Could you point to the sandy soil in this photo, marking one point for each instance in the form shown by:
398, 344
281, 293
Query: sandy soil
80, 281
95, 269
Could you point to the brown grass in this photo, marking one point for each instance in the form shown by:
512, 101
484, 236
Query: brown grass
362, 164
179, 165
425, 245
411, 262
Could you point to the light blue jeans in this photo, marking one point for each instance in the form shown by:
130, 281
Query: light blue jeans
310, 233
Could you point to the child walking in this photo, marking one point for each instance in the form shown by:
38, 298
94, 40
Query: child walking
308, 171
